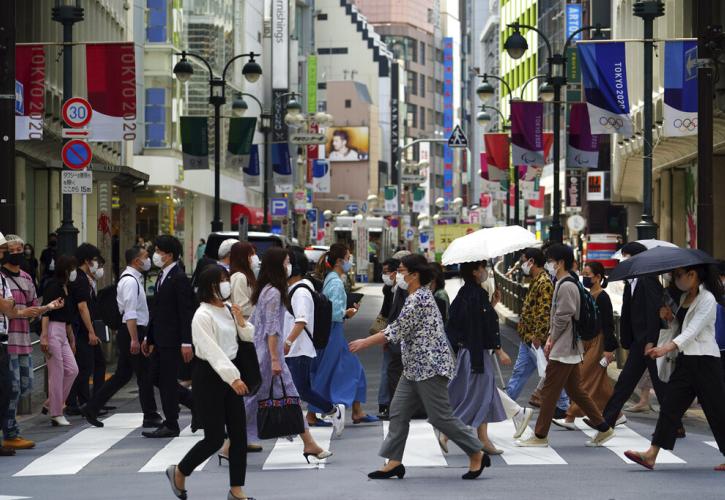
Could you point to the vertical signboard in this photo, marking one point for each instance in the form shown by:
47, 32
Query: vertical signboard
280, 44
574, 189
424, 156
573, 19
394, 117
447, 118
280, 131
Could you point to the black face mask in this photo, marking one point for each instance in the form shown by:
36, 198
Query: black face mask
14, 259
52, 243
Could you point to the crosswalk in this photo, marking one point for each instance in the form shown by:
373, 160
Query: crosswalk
78, 451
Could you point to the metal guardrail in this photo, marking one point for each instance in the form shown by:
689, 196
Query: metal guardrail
512, 292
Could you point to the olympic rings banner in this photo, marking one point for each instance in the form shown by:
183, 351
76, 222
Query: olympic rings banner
604, 73
583, 148
527, 129
680, 109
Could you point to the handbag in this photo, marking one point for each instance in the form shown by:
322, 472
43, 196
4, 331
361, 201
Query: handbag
247, 363
666, 364
379, 324
279, 417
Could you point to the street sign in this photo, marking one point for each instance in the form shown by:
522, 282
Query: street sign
353, 208
77, 112
308, 138
409, 234
413, 179
19, 100
76, 154
364, 207
76, 182
75, 133
448, 213
300, 201
458, 138
576, 223
279, 207
311, 215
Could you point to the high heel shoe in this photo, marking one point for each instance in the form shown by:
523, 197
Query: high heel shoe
222, 458
44, 411
171, 476
395, 471
319, 456
59, 421
473, 474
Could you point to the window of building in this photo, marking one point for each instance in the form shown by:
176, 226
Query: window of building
431, 117
412, 82
431, 85
422, 85
322, 17
338, 50
422, 54
422, 119
157, 22
348, 103
155, 118
412, 116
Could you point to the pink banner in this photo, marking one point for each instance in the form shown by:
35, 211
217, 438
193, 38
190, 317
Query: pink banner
583, 148
527, 141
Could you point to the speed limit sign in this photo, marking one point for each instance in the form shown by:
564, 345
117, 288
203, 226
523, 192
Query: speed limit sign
77, 112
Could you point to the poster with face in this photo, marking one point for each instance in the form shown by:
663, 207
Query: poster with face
348, 143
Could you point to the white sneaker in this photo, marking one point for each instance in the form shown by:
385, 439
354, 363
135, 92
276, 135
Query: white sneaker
600, 438
561, 422
521, 421
59, 421
532, 442
338, 420
621, 420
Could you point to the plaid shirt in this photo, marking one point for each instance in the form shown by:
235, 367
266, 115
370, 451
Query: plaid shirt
25, 296
534, 319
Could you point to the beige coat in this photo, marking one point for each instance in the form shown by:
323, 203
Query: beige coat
564, 309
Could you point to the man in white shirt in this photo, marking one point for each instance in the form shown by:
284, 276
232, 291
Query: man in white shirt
132, 305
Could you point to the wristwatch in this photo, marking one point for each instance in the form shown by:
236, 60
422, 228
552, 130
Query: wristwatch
288, 343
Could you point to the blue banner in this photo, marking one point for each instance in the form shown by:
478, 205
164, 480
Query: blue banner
281, 168
680, 109
604, 75
251, 170
447, 118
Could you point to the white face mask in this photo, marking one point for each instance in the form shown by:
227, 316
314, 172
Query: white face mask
484, 276
680, 285
146, 264
526, 268
158, 260
225, 290
288, 267
73, 275
93, 267
254, 262
98, 273
387, 280
551, 269
400, 281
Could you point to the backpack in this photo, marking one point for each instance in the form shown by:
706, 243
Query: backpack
323, 317
587, 326
108, 305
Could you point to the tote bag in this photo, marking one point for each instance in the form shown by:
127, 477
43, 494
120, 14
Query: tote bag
666, 364
247, 363
279, 417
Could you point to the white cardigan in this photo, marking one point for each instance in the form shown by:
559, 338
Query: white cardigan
697, 337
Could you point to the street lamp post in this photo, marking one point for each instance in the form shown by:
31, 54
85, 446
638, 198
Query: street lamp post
516, 45
183, 70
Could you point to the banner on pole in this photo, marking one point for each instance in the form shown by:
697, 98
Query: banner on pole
321, 176
195, 142
604, 73
680, 106
30, 74
282, 168
497, 156
574, 189
527, 128
239, 143
251, 171
391, 199
419, 200
583, 148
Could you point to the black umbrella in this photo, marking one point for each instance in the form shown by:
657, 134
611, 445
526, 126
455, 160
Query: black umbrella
659, 260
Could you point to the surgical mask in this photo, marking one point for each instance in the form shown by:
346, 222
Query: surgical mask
146, 264
28, 252
255, 263
14, 259
98, 273
225, 290
400, 281
526, 268
680, 285
587, 281
551, 269
484, 276
346, 266
158, 260
387, 281
93, 267
73, 275
288, 267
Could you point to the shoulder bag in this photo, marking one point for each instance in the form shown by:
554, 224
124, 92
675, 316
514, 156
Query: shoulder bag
247, 363
279, 417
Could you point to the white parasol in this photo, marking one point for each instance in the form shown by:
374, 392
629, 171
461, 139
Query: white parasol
649, 244
488, 243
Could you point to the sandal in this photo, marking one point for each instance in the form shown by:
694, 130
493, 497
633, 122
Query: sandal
367, 419
637, 458
719, 468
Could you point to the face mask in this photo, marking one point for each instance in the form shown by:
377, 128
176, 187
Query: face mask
158, 260
73, 275
484, 275
146, 264
346, 266
14, 259
587, 281
28, 253
93, 267
51, 266
551, 269
526, 268
400, 281
288, 267
387, 281
225, 290
255, 263
98, 273
679, 283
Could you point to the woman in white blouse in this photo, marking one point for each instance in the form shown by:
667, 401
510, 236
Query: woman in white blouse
218, 388
698, 372
242, 265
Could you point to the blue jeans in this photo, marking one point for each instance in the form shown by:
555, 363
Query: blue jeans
384, 391
299, 367
21, 382
524, 367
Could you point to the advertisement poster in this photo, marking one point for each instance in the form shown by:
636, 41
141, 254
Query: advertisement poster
348, 143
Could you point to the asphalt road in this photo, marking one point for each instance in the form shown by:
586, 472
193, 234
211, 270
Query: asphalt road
115, 462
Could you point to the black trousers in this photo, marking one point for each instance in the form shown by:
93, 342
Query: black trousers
722, 361
218, 408
698, 377
5, 381
632, 372
127, 366
165, 365
91, 361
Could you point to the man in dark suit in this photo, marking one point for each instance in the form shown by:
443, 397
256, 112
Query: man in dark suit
639, 330
169, 337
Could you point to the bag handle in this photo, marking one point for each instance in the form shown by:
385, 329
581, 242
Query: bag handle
271, 387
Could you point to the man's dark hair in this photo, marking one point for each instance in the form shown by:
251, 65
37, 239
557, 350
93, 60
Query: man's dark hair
467, 268
633, 248
169, 244
536, 255
132, 253
208, 283
86, 252
392, 264
418, 264
342, 135
558, 252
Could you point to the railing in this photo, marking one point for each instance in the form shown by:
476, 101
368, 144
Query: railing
512, 292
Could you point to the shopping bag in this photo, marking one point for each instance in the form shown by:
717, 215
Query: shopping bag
666, 364
540, 360
279, 417
379, 324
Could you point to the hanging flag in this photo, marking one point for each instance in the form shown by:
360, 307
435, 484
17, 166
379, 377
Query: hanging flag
195, 142
30, 90
497, 156
530, 190
321, 175
583, 148
251, 168
527, 128
239, 143
282, 168
391, 199
111, 81
604, 73
539, 203
680, 109
419, 200
548, 147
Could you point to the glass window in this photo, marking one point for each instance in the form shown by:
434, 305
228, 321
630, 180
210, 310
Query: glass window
157, 21
413, 82
412, 116
422, 54
155, 118
422, 85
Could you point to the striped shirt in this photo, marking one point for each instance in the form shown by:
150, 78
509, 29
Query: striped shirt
18, 329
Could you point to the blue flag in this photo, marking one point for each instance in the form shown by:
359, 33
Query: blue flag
251, 169
281, 168
680, 109
604, 73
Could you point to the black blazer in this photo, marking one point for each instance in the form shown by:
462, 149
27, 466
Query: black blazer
171, 311
640, 321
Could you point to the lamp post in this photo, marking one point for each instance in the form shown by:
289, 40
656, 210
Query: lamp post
516, 45
183, 70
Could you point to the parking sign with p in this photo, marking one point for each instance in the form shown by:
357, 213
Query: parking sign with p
279, 207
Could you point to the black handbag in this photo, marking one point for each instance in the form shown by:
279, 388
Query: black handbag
279, 417
247, 363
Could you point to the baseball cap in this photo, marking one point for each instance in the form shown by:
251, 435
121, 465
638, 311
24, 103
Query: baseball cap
226, 247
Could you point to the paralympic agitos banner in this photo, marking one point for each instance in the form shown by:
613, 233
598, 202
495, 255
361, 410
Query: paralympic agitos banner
604, 73
30, 81
583, 148
527, 128
680, 109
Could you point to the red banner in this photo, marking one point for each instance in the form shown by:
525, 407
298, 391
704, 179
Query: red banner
30, 73
548, 143
496, 157
540, 202
111, 78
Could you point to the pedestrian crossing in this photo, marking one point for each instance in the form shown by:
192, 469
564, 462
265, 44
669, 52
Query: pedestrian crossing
120, 438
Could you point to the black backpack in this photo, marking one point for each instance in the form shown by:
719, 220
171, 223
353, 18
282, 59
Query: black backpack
323, 317
587, 326
108, 305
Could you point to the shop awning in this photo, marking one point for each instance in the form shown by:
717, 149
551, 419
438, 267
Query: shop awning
255, 216
122, 174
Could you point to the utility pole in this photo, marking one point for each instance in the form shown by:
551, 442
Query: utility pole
67, 15
7, 117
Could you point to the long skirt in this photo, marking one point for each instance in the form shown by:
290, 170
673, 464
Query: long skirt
474, 396
595, 380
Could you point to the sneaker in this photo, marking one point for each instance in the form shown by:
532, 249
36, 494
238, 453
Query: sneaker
559, 413
18, 443
601, 438
621, 420
532, 442
561, 422
521, 421
338, 420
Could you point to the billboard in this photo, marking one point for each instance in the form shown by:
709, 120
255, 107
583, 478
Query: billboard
348, 143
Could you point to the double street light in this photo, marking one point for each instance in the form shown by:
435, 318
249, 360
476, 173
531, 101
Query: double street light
184, 70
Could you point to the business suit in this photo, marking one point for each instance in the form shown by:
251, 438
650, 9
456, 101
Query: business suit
170, 328
639, 325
